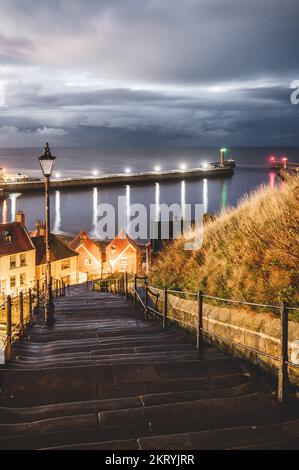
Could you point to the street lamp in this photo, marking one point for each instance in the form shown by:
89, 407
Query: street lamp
47, 163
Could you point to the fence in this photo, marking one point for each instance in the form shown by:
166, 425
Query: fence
160, 304
16, 313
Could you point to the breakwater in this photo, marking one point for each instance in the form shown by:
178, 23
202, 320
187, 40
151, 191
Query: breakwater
119, 179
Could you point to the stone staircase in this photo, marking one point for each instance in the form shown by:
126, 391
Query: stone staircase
104, 378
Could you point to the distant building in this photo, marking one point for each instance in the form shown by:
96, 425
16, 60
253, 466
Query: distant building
64, 260
17, 257
90, 256
122, 255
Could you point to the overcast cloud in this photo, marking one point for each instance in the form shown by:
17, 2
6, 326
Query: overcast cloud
148, 72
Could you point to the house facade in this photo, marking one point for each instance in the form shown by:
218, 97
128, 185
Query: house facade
64, 260
122, 255
17, 258
90, 256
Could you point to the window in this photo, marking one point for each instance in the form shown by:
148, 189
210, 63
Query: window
88, 262
13, 262
23, 279
7, 237
23, 259
3, 285
13, 282
65, 264
124, 264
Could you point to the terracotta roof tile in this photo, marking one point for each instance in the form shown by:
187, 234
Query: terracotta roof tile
59, 250
20, 239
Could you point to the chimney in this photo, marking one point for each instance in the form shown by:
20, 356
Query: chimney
20, 218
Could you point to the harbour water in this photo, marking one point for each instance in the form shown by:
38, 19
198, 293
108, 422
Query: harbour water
73, 210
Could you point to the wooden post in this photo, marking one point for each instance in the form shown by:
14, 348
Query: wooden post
37, 292
283, 374
199, 336
126, 285
8, 328
30, 306
146, 301
21, 309
135, 290
87, 281
56, 288
165, 308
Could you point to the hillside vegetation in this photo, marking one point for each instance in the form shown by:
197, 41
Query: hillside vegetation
249, 253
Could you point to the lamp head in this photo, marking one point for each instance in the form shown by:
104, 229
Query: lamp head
47, 161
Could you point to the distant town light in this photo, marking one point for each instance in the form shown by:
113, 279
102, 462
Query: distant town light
205, 165
57, 174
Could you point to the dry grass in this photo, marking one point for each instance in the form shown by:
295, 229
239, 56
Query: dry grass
249, 253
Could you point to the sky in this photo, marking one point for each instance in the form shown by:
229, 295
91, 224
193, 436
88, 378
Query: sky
148, 73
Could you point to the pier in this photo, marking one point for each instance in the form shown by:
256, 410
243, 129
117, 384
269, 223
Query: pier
119, 179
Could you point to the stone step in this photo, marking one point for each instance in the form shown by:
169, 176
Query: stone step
26, 415
208, 412
238, 437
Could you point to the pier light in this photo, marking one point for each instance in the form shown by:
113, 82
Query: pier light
183, 166
57, 174
157, 169
205, 165
47, 161
223, 151
95, 173
128, 171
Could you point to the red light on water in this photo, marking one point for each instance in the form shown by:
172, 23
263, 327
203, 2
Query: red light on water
272, 159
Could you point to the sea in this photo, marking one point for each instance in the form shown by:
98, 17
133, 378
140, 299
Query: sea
75, 210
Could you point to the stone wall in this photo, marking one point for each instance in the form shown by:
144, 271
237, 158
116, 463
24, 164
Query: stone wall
240, 329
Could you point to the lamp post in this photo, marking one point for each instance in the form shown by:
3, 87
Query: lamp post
47, 161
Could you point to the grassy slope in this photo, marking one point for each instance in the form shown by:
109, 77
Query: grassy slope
249, 253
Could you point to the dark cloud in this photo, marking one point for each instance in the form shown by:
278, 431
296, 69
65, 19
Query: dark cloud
149, 72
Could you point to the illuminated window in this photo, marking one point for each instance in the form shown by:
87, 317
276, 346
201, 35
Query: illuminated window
13, 262
124, 262
12, 282
23, 259
88, 262
23, 279
3, 284
65, 264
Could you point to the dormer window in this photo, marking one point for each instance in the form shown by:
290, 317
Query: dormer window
7, 237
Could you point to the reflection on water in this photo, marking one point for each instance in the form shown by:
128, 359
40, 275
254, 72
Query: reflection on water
157, 201
4, 212
13, 207
183, 199
57, 223
223, 194
95, 211
272, 179
73, 211
128, 208
205, 196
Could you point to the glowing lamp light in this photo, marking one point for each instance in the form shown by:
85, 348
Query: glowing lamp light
183, 166
284, 159
157, 169
224, 150
205, 165
57, 175
128, 171
95, 173
47, 161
